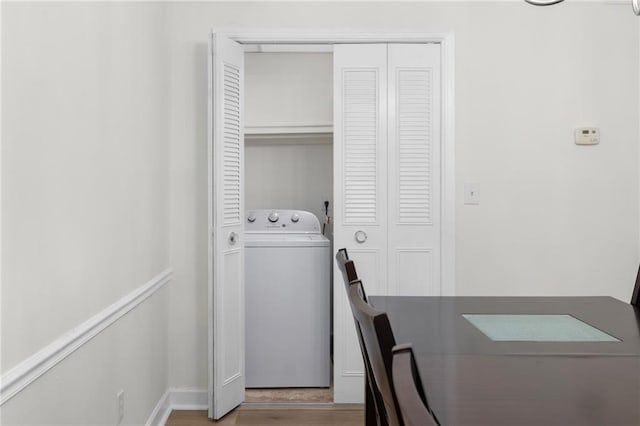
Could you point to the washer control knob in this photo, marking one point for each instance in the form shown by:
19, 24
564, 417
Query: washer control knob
251, 217
295, 218
273, 217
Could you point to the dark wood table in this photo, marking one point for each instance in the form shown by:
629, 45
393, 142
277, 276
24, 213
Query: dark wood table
473, 380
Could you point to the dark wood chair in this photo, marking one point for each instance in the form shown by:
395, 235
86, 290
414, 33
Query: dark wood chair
414, 408
636, 289
377, 340
372, 394
348, 269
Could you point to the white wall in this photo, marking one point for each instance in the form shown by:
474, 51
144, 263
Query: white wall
554, 218
288, 171
296, 176
85, 213
288, 89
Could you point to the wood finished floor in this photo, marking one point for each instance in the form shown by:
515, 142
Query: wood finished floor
251, 415
289, 395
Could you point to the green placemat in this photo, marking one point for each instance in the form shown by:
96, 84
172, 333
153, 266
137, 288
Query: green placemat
537, 328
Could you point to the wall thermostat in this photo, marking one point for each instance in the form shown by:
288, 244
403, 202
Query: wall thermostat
587, 135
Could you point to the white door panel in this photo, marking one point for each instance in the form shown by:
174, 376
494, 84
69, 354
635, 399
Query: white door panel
414, 169
414, 272
360, 104
226, 159
360, 133
371, 263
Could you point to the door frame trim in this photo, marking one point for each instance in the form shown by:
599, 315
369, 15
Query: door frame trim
327, 37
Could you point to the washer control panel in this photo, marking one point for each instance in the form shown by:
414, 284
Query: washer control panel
276, 220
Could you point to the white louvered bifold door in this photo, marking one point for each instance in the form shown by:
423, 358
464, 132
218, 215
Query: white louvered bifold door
360, 212
226, 208
414, 169
387, 104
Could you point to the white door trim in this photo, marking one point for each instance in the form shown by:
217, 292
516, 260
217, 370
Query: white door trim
331, 37
446, 40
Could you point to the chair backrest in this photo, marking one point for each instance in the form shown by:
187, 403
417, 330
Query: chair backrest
408, 387
378, 340
636, 289
348, 269
343, 253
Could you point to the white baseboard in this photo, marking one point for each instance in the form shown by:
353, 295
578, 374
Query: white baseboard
177, 399
161, 412
26, 372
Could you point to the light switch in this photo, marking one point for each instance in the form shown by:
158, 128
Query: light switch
472, 193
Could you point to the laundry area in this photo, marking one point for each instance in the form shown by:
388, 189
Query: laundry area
287, 227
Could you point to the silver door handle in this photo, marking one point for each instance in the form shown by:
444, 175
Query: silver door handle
360, 237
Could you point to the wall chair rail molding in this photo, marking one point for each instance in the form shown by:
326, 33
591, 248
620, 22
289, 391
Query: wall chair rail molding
29, 370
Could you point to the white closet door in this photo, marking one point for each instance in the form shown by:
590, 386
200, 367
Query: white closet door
226, 159
414, 169
387, 182
360, 198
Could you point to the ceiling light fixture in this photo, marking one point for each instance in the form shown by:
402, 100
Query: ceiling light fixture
634, 3
546, 2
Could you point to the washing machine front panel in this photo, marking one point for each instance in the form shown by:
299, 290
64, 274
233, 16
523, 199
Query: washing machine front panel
287, 300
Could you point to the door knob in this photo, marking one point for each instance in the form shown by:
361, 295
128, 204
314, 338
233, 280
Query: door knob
360, 237
233, 238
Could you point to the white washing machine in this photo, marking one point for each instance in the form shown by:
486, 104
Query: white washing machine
287, 276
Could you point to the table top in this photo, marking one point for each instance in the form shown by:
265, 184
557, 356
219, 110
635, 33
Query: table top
473, 380
439, 321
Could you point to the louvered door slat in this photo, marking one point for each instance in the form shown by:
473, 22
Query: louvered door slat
414, 146
360, 145
231, 151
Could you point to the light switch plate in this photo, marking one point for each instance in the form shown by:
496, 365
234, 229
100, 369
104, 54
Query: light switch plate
472, 193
